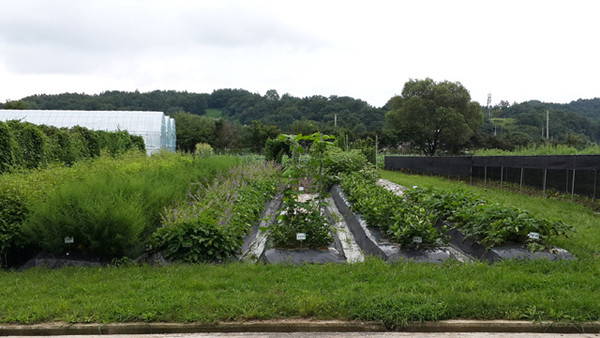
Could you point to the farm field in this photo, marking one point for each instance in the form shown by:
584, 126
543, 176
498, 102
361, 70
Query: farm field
392, 293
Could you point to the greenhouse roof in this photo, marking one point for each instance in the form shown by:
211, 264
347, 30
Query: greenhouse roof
157, 129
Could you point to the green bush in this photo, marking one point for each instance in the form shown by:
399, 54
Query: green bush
276, 148
31, 151
337, 162
12, 213
60, 147
86, 142
203, 149
103, 214
6, 148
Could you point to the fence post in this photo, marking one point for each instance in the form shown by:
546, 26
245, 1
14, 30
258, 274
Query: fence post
573, 185
521, 181
544, 187
501, 175
594, 184
485, 175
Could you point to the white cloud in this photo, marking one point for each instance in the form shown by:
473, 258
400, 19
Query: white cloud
517, 50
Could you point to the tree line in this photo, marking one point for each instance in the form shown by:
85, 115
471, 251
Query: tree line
429, 117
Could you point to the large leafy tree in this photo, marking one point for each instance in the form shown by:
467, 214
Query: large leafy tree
192, 129
434, 116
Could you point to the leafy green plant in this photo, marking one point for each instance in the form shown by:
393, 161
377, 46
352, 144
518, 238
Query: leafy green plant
211, 224
298, 216
12, 213
338, 162
401, 220
6, 148
490, 224
31, 144
303, 216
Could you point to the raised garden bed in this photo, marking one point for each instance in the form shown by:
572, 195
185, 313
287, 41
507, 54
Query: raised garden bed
259, 248
450, 205
374, 242
495, 254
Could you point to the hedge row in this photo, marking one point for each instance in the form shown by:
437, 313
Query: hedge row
26, 145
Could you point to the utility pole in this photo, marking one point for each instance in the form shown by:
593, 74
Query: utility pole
547, 124
335, 120
489, 105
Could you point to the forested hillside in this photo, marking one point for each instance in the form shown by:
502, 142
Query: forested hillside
288, 113
575, 123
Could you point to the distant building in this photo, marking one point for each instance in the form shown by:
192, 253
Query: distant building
157, 129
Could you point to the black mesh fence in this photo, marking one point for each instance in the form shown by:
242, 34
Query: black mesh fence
573, 174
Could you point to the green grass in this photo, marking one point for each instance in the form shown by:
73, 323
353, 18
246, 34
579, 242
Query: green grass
213, 112
548, 149
371, 291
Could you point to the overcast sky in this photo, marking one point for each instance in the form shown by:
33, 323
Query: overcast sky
515, 50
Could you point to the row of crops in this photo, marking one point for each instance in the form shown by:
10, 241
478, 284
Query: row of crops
420, 211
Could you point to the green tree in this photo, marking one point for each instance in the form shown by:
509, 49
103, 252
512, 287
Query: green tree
259, 133
434, 116
192, 129
17, 105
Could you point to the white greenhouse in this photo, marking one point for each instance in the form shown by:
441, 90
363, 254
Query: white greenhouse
157, 129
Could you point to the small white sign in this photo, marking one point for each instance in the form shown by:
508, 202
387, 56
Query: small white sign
301, 188
187, 244
300, 236
69, 240
417, 240
415, 186
534, 235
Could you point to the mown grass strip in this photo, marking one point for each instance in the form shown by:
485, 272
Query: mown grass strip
374, 290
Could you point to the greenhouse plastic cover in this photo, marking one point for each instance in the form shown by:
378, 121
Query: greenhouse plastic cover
157, 130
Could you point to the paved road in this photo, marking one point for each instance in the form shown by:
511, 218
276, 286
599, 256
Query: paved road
341, 334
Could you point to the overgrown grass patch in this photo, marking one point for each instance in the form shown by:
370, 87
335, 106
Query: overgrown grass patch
373, 290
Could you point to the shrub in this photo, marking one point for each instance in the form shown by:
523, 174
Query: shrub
276, 148
338, 162
60, 147
86, 142
109, 205
203, 149
12, 213
31, 150
6, 148
103, 214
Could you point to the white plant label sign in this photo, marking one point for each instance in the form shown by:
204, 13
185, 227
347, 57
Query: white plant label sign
417, 240
534, 235
300, 236
69, 240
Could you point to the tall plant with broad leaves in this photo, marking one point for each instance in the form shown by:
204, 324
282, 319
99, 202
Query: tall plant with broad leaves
300, 214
